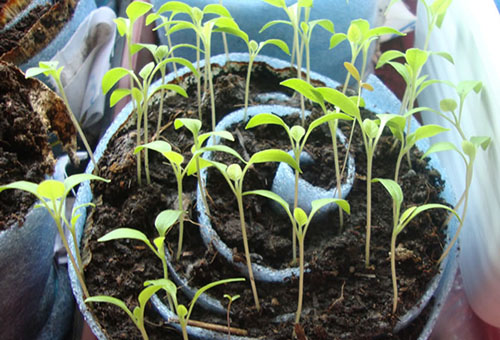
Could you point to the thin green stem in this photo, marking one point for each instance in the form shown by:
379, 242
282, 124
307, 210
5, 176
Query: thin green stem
198, 78
247, 251
211, 85
181, 217
75, 123
294, 223
301, 280
333, 129
146, 137
247, 85
143, 331
393, 273
368, 206
202, 187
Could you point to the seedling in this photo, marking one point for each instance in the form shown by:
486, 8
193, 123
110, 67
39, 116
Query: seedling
298, 137
228, 318
140, 93
235, 176
182, 312
203, 32
52, 196
469, 146
321, 96
176, 160
49, 68
400, 222
137, 315
302, 225
294, 14
360, 37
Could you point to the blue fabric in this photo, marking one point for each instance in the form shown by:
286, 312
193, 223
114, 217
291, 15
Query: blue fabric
251, 15
497, 2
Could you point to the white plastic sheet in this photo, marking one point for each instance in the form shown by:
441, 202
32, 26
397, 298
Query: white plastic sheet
470, 34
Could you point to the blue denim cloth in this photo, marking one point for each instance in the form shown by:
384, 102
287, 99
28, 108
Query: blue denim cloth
251, 15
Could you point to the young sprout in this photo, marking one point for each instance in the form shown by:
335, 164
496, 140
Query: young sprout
294, 14
298, 138
203, 32
137, 315
52, 196
176, 160
469, 146
194, 126
182, 312
49, 68
235, 176
163, 222
302, 224
321, 96
400, 222
231, 300
360, 37
141, 95
415, 59
162, 55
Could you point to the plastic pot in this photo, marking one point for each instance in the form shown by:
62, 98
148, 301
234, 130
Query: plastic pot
379, 101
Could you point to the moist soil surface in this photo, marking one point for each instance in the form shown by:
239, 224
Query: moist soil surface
342, 298
24, 146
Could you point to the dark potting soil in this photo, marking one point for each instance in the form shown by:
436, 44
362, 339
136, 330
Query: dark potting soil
10, 38
342, 299
24, 148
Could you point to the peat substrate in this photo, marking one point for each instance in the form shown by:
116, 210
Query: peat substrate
342, 298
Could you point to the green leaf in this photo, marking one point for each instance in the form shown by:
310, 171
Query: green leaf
145, 72
51, 189
266, 118
124, 233
272, 23
274, 155
111, 77
297, 132
271, 195
182, 26
481, 141
193, 125
276, 3
336, 39
122, 25
416, 211
326, 118
134, 48
138, 97
448, 105
469, 149
392, 188
137, 9
354, 34
158, 146
233, 31
383, 30
221, 148
305, 3
146, 294
21, 185
166, 285
340, 100
174, 157
300, 216
403, 70
174, 6
207, 287
166, 219
445, 55
416, 58
465, 86
222, 134
325, 23
352, 70
171, 87
216, 9
303, 87
113, 301
276, 42
234, 172
440, 147
152, 18
118, 95
425, 131
316, 205
74, 180
388, 56
370, 128
182, 312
